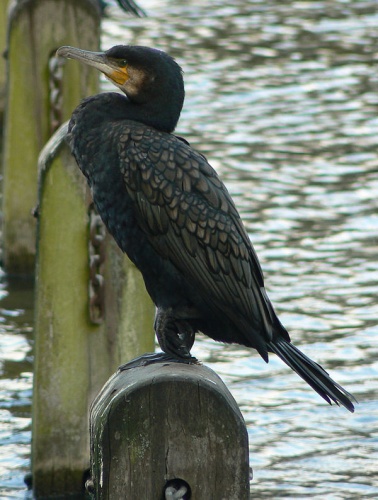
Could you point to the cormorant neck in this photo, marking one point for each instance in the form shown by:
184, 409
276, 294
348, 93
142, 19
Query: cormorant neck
113, 106
154, 114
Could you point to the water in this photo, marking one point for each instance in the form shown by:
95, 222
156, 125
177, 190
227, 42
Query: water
282, 99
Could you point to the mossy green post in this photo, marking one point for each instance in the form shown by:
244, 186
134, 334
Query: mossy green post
36, 28
74, 357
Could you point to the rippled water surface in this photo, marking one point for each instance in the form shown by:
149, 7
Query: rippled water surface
282, 97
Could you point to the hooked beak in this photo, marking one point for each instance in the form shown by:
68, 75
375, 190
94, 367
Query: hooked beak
116, 73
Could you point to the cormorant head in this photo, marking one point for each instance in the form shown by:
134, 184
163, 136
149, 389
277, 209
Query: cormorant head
150, 78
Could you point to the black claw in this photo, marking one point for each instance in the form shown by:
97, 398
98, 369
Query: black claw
156, 357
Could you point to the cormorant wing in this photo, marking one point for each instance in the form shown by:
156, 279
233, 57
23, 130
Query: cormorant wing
190, 219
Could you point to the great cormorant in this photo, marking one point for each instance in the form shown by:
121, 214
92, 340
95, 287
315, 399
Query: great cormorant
171, 214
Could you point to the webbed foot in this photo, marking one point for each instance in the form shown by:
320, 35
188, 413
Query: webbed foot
175, 334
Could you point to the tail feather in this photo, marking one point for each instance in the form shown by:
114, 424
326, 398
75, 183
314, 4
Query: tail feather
312, 373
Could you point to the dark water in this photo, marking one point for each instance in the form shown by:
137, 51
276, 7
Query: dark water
282, 97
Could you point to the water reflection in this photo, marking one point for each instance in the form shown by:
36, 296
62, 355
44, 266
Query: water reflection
281, 97
16, 315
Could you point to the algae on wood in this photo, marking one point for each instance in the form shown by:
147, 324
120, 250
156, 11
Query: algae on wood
62, 364
74, 357
35, 30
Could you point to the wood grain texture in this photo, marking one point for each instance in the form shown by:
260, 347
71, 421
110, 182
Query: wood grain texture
163, 421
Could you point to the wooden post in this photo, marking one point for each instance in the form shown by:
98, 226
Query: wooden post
36, 28
158, 424
74, 356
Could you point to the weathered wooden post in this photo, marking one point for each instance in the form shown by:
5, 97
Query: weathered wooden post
90, 305
159, 425
36, 28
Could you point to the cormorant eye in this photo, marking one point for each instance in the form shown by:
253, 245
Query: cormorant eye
123, 62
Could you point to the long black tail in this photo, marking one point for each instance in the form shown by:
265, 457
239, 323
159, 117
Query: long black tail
312, 373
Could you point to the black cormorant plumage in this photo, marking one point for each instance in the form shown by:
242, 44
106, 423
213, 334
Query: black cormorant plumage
171, 214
